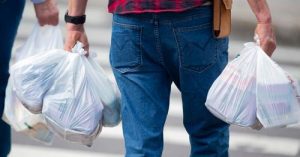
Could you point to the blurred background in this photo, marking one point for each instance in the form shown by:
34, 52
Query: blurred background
279, 142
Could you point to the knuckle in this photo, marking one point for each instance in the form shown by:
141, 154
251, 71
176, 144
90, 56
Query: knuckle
55, 13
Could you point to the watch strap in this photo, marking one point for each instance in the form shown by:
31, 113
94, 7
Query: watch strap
77, 20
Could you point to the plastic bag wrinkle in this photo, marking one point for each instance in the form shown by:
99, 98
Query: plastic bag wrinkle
253, 91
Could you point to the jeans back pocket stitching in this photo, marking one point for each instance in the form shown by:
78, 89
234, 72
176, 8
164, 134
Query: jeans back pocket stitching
180, 48
138, 36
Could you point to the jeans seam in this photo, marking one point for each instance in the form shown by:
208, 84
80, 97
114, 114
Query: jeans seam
202, 70
130, 26
178, 47
157, 42
140, 48
193, 17
194, 28
139, 61
181, 62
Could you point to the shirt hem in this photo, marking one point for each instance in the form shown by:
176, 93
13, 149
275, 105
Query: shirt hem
153, 10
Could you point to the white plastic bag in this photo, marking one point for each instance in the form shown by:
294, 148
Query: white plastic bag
112, 110
110, 95
295, 86
32, 78
41, 39
74, 89
253, 91
73, 105
15, 113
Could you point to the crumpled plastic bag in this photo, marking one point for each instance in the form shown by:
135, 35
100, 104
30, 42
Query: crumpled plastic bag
253, 91
72, 90
112, 110
14, 112
33, 77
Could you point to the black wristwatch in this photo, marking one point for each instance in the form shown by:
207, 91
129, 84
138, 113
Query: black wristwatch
77, 20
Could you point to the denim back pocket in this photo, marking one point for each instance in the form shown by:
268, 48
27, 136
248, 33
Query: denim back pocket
125, 51
197, 46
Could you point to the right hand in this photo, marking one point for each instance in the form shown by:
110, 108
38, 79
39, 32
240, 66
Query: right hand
47, 12
76, 33
266, 37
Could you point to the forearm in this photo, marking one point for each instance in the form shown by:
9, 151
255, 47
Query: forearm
46, 12
264, 30
261, 10
77, 7
76, 32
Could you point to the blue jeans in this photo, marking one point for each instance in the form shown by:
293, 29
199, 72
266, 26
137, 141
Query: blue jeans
150, 51
10, 16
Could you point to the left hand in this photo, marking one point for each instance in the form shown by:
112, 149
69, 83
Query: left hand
76, 33
267, 37
47, 13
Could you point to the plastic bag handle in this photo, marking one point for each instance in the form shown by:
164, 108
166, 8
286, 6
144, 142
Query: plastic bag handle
78, 48
256, 39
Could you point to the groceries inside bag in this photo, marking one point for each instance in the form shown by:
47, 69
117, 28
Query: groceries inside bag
72, 92
41, 39
253, 91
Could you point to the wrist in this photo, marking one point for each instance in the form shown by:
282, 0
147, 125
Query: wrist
76, 12
73, 27
37, 1
264, 19
76, 20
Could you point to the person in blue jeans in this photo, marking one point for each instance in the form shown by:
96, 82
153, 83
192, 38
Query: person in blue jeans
10, 16
156, 43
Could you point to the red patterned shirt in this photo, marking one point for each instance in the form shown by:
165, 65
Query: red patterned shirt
153, 6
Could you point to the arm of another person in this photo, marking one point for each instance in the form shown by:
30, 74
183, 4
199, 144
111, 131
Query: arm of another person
76, 32
264, 25
46, 12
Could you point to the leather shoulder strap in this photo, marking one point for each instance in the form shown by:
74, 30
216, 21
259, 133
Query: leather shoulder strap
222, 18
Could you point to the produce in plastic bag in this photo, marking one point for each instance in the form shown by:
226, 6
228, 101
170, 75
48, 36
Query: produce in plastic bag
42, 39
110, 96
74, 92
253, 91
73, 105
14, 112
112, 110
32, 78
24, 121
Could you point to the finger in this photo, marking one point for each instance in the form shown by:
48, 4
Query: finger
55, 13
85, 42
86, 48
54, 18
269, 46
42, 21
266, 49
69, 44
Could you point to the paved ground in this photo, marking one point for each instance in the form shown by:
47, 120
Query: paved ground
283, 142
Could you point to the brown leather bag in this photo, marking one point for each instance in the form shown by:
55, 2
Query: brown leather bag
222, 18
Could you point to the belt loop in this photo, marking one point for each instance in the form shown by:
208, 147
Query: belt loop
155, 18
